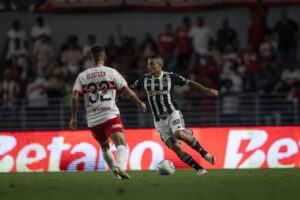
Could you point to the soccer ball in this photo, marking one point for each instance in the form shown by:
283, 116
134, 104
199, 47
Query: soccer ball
166, 167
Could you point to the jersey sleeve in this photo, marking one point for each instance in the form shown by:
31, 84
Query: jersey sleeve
120, 82
177, 79
77, 88
138, 84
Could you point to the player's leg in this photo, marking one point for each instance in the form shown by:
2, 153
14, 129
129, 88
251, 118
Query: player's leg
121, 154
177, 125
99, 134
108, 157
185, 157
193, 143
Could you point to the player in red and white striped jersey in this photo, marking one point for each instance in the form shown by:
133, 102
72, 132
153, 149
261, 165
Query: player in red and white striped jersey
9, 90
99, 85
42, 52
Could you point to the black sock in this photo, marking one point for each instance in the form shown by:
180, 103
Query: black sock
191, 162
195, 145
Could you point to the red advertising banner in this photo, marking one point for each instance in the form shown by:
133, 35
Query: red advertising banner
234, 147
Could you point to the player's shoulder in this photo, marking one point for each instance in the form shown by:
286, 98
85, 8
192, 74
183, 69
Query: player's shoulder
109, 69
146, 75
169, 73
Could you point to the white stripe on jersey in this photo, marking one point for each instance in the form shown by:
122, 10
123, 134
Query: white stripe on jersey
145, 87
161, 88
154, 96
169, 93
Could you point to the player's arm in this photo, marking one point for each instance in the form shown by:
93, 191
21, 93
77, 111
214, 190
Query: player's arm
74, 106
201, 88
131, 95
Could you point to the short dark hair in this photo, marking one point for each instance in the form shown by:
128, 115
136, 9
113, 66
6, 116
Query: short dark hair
97, 52
156, 56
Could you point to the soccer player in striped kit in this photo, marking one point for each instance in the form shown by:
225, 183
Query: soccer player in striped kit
99, 85
168, 119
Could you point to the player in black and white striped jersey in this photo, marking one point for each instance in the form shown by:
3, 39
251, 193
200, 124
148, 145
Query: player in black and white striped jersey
168, 120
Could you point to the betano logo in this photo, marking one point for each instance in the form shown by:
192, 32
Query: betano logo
252, 149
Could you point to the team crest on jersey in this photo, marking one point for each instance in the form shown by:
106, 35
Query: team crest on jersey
165, 82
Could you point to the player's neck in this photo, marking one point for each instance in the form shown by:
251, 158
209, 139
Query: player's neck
100, 63
158, 74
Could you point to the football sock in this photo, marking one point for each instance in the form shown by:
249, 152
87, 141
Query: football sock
109, 158
195, 145
121, 155
191, 162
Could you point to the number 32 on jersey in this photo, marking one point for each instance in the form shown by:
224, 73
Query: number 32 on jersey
99, 90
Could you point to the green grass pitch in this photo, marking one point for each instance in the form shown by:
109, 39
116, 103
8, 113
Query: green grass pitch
148, 185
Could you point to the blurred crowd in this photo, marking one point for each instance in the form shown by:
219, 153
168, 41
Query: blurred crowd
267, 64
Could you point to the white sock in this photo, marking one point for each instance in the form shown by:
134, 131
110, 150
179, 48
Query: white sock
121, 155
109, 158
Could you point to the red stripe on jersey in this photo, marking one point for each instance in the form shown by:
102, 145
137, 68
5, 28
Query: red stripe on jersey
122, 89
37, 87
78, 92
99, 89
111, 83
103, 88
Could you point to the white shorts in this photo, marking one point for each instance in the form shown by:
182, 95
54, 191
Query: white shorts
166, 128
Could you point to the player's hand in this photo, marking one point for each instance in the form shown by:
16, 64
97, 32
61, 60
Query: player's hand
73, 124
143, 107
212, 93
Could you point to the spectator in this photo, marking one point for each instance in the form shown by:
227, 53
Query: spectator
200, 36
16, 70
9, 91
112, 50
269, 76
91, 41
229, 104
72, 56
229, 59
290, 77
287, 30
166, 46
182, 42
40, 29
227, 36
268, 49
43, 52
148, 47
19, 53
251, 62
68, 91
36, 91
55, 78
208, 72
16, 33
259, 13
256, 32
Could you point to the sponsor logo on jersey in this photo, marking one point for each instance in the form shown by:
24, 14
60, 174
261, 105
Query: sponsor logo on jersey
154, 93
